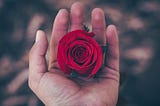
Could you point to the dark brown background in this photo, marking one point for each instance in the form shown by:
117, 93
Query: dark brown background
138, 23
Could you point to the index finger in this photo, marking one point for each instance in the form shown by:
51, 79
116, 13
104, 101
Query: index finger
60, 28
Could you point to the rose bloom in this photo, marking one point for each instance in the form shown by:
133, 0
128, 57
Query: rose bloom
78, 52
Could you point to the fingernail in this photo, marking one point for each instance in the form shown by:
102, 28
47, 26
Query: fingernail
112, 29
38, 35
61, 11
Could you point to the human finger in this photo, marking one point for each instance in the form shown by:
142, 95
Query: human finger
77, 16
60, 28
99, 25
37, 61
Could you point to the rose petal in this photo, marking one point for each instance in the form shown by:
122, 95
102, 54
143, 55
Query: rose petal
77, 51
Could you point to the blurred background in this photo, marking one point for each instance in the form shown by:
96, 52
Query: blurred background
138, 23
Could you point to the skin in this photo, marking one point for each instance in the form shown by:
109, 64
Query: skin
56, 89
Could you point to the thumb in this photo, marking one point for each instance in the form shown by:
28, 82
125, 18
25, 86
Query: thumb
37, 61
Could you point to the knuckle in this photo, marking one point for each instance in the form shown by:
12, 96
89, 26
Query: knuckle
31, 85
31, 51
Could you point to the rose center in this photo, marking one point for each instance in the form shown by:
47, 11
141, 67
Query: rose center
79, 54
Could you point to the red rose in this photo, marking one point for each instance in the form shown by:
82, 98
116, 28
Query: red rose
78, 52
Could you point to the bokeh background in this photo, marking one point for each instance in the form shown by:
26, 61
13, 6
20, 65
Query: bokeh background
138, 23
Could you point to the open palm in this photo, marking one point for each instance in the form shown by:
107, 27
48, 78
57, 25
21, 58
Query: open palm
52, 86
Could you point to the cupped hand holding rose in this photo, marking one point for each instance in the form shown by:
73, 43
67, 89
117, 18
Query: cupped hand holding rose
52, 85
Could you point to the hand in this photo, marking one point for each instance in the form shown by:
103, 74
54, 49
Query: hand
54, 88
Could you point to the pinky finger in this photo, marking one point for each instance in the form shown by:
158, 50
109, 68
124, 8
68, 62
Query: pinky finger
112, 52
